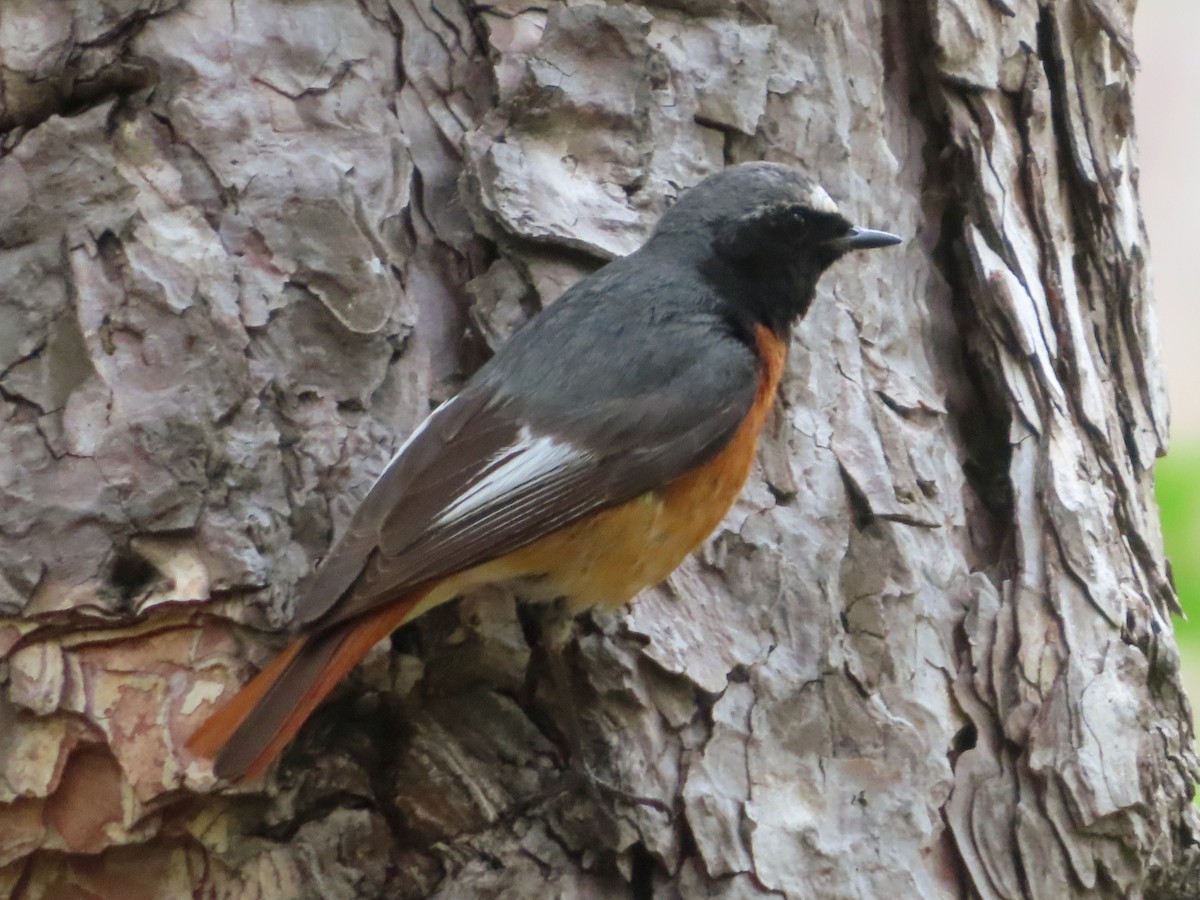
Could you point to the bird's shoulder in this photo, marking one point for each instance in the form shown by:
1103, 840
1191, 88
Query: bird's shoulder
634, 327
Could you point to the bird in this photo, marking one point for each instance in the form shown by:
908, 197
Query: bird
595, 449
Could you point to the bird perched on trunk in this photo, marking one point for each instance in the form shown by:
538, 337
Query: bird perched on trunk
586, 459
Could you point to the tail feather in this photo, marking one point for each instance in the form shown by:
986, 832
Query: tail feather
246, 735
217, 729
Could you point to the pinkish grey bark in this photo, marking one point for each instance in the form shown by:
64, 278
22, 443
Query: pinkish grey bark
245, 245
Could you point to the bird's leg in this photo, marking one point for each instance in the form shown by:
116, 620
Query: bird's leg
557, 627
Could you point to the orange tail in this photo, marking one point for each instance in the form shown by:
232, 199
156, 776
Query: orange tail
245, 735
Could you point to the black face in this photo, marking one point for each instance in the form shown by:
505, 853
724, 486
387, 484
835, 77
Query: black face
785, 233
767, 233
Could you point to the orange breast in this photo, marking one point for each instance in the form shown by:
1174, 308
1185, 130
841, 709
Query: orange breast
606, 558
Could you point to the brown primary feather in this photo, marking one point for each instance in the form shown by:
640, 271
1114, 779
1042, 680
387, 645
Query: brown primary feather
245, 735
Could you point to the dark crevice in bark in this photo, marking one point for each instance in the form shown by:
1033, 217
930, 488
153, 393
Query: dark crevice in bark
396, 27
473, 13
70, 92
130, 574
978, 408
1018, 762
984, 421
641, 875
857, 500
964, 740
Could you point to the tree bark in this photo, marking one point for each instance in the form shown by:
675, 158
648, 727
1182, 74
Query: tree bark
245, 246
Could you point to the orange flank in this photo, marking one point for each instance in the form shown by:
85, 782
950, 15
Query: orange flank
607, 557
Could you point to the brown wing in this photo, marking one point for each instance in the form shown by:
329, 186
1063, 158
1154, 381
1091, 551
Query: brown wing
485, 475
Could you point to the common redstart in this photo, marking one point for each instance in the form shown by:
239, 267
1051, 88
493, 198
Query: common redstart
586, 459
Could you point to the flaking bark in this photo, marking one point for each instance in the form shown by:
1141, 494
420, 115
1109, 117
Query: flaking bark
244, 246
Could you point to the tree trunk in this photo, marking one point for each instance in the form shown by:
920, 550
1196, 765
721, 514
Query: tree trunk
245, 246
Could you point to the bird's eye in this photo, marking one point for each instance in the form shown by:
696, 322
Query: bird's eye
820, 223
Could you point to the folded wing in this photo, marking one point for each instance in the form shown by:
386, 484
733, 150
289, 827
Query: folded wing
488, 474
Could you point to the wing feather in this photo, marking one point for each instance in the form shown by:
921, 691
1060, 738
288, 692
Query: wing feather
487, 474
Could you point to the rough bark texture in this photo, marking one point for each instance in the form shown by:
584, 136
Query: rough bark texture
245, 245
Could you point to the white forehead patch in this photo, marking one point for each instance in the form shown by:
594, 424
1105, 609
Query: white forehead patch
820, 201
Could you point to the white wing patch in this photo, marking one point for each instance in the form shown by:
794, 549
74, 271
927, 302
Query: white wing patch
530, 460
